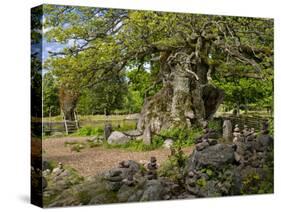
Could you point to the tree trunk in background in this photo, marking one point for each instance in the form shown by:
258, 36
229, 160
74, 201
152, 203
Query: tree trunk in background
68, 101
182, 101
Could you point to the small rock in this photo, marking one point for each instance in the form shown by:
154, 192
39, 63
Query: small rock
124, 164
46, 172
133, 133
191, 174
58, 170
202, 145
168, 143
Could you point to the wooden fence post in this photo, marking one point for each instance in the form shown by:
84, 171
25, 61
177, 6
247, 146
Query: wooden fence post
65, 123
76, 120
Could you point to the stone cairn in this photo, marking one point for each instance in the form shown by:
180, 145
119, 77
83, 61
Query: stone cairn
250, 149
107, 131
152, 169
58, 170
238, 145
114, 178
236, 134
206, 139
129, 179
122, 175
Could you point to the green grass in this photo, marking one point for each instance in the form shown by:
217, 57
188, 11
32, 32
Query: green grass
75, 146
134, 145
88, 131
182, 136
96, 128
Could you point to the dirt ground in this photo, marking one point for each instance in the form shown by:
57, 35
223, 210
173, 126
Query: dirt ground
91, 161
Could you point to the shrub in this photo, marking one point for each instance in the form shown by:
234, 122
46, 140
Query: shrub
182, 136
135, 145
173, 168
88, 131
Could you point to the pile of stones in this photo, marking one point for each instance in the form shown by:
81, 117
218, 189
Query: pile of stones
152, 169
228, 169
250, 149
123, 174
207, 139
213, 169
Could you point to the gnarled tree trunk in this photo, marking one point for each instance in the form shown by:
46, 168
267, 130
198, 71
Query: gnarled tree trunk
68, 102
185, 99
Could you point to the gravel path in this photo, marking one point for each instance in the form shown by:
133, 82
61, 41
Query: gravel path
91, 161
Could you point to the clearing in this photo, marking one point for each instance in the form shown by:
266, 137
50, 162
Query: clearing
92, 161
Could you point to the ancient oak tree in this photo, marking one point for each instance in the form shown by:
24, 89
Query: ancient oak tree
187, 50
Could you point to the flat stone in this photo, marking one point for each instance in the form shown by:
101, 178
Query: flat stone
133, 133
215, 156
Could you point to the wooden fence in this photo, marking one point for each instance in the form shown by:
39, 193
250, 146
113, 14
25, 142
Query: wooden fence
250, 121
72, 126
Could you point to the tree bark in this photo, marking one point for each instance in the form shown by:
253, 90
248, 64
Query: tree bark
68, 102
185, 99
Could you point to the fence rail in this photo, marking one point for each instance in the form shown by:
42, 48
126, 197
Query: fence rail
250, 121
59, 126
72, 126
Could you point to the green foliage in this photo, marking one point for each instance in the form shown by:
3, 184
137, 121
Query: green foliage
89, 131
133, 102
101, 44
246, 93
170, 169
215, 124
174, 167
211, 173
124, 126
255, 184
134, 145
182, 136
158, 140
50, 89
142, 81
78, 146
104, 97
36, 88
75, 146
201, 182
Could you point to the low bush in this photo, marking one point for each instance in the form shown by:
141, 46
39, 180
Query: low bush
135, 145
183, 137
89, 131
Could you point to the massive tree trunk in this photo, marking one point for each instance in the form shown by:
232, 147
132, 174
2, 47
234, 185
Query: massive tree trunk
68, 102
185, 99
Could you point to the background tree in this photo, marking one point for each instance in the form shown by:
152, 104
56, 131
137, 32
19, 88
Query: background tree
50, 95
104, 97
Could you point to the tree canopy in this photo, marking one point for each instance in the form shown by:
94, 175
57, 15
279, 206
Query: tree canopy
102, 43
